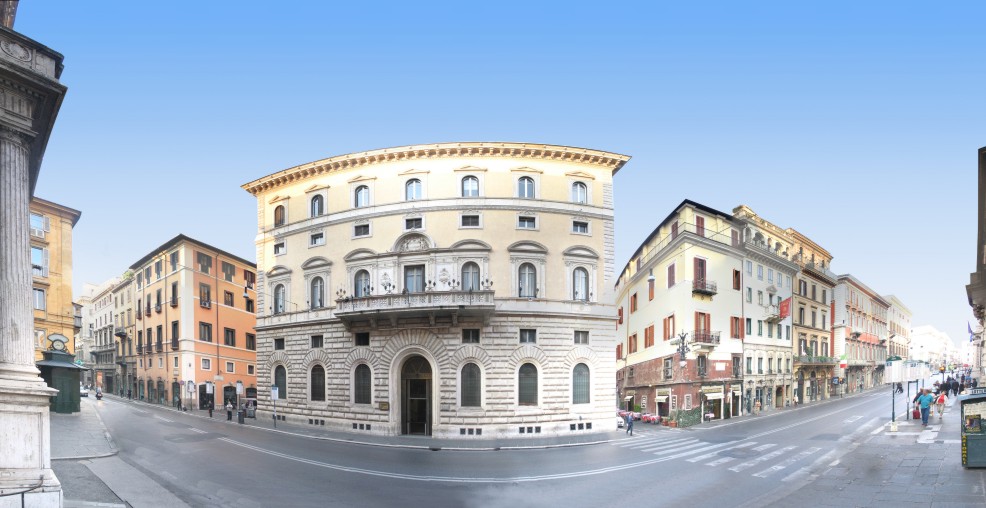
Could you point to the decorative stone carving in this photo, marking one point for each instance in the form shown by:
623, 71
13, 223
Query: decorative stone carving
443, 276
16, 50
412, 244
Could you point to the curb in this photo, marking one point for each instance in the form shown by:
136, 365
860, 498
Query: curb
106, 434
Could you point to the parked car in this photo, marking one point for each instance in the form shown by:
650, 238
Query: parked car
83, 392
620, 422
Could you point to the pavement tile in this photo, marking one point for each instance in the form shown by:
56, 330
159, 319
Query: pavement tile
898, 496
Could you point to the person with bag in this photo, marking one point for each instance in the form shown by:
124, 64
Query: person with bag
924, 403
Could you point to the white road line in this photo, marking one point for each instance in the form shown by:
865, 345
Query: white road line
797, 475
162, 419
713, 454
193, 429
765, 447
760, 459
783, 465
720, 461
650, 442
851, 419
672, 449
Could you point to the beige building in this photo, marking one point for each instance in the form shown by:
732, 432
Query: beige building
860, 333
815, 352
51, 263
898, 327
454, 289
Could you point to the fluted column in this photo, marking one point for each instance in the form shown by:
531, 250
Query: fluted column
16, 318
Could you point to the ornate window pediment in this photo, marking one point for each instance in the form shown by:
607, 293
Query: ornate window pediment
580, 174
359, 254
471, 245
527, 247
412, 242
278, 271
316, 262
580, 251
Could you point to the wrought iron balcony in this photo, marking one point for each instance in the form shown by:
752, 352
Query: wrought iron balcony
120, 332
704, 287
815, 360
174, 343
772, 314
147, 310
819, 271
157, 308
140, 349
174, 301
430, 304
159, 347
705, 338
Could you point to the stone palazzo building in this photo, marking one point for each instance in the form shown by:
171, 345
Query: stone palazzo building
453, 289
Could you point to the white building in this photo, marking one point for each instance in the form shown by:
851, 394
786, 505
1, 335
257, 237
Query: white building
860, 333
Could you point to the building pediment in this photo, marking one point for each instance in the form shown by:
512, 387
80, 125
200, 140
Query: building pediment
580, 174
315, 262
359, 254
580, 251
527, 246
278, 271
471, 245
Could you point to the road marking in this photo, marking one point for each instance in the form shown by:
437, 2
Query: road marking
763, 448
676, 448
193, 429
783, 465
713, 454
720, 461
851, 419
650, 442
163, 419
760, 459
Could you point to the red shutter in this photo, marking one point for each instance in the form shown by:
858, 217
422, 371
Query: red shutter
621, 315
619, 351
732, 327
742, 326
698, 321
700, 226
708, 322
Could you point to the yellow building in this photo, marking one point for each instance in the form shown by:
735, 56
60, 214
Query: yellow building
51, 261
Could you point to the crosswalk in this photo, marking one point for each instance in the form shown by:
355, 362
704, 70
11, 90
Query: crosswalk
763, 460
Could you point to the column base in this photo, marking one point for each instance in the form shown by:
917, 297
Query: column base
26, 478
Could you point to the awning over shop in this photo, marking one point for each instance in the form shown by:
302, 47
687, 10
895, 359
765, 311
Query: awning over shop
628, 397
661, 399
713, 396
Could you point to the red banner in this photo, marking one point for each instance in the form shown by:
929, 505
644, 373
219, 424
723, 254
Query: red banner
785, 308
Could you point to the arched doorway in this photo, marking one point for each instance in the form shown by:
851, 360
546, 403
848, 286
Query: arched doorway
800, 392
416, 397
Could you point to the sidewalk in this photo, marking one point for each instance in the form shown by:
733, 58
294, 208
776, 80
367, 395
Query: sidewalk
783, 410
416, 442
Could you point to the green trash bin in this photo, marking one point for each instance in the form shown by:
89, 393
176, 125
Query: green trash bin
973, 407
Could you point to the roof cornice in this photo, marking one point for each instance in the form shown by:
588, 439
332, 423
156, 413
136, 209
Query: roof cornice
612, 161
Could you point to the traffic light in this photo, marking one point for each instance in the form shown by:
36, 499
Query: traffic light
941, 369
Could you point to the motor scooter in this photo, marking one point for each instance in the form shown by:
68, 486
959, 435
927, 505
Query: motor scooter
99, 395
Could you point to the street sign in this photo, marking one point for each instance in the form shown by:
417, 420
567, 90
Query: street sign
273, 393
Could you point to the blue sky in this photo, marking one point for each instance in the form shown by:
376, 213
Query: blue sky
876, 107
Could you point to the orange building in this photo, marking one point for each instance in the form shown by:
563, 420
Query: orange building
195, 337
51, 266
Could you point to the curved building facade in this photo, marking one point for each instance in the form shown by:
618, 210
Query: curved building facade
456, 289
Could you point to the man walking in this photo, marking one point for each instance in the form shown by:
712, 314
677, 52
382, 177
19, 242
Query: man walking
629, 423
924, 402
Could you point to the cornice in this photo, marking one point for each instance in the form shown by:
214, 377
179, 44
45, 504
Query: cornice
575, 155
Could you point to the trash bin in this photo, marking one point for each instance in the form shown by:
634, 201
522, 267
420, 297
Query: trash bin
973, 413
240, 415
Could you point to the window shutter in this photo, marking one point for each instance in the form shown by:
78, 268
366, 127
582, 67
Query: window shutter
732, 327
708, 322
47, 223
698, 321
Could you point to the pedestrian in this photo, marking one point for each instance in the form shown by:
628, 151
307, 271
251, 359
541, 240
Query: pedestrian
756, 407
900, 388
129, 394
121, 393
211, 405
940, 404
961, 388
229, 411
629, 418
924, 402
956, 387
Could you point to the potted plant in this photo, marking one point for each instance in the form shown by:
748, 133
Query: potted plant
672, 420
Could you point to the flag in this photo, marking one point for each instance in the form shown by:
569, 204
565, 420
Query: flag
785, 308
972, 336
842, 361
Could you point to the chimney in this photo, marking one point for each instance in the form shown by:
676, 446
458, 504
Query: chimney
8, 11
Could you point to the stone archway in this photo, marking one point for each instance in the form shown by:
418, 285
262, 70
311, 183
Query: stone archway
416, 396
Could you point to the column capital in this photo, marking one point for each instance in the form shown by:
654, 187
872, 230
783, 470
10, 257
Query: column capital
16, 136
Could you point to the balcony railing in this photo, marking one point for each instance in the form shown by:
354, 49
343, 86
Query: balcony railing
772, 314
667, 373
816, 360
704, 287
147, 310
174, 343
174, 302
120, 332
159, 347
157, 308
705, 337
764, 248
140, 349
430, 304
820, 271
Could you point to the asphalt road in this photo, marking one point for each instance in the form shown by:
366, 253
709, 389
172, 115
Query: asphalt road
730, 463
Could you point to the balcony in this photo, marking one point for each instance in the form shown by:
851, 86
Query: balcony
157, 308
705, 338
139, 315
820, 271
430, 304
815, 360
704, 287
772, 314
159, 347
120, 332
174, 302
174, 343
147, 310
140, 349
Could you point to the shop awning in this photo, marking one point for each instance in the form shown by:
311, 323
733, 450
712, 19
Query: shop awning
713, 396
661, 398
628, 397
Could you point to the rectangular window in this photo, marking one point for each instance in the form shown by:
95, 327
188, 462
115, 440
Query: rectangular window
229, 271
528, 335
279, 248
749, 295
674, 230
770, 365
228, 298
633, 303
470, 336
825, 320
582, 336
759, 328
470, 221
632, 344
316, 341
770, 275
700, 226
174, 332
40, 302
736, 280
229, 367
619, 351
667, 368
174, 261
204, 262
649, 336
39, 262
824, 297
229, 337
316, 239
787, 332
157, 269
814, 323
278, 344
250, 370
147, 275
736, 327
770, 331
206, 364
251, 342
526, 223
140, 279
175, 362
813, 288
688, 402
205, 332
759, 272
580, 227
749, 267
749, 365
249, 305
759, 297
801, 315
361, 230
249, 278
362, 338
650, 288
669, 327
205, 295
671, 275
759, 365
414, 278
174, 294
415, 223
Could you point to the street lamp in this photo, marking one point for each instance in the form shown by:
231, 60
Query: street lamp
682, 349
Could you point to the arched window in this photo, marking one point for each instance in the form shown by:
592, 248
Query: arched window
525, 187
279, 215
470, 277
580, 194
580, 384
471, 385
317, 389
412, 189
470, 187
318, 205
361, 285
281, 381
527, 384
361, 384
362, 196
279, 298
580, 284
318, 293
527, 281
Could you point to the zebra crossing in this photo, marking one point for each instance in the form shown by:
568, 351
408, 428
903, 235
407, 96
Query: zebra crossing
737, 455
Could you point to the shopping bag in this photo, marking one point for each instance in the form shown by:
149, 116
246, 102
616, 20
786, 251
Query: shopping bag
916, 414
